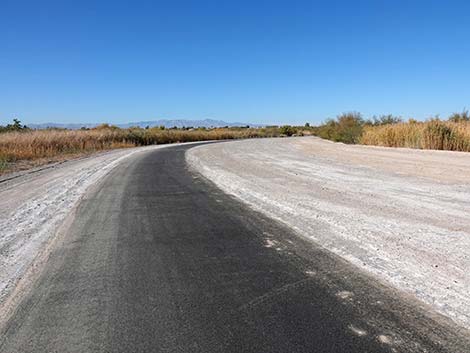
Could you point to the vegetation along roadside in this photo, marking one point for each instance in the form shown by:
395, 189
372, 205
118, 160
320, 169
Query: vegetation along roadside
23, 148
452, 134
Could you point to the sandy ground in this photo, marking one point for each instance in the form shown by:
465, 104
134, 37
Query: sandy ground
400, 214
34, 204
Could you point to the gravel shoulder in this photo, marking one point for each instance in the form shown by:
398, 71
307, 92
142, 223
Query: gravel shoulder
399, 214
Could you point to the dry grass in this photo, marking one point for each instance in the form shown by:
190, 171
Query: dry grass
16, 147
433, 134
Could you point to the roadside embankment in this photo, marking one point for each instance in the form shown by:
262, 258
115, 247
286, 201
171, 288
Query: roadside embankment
400, 214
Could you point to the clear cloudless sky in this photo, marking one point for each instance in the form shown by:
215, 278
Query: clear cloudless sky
249, 61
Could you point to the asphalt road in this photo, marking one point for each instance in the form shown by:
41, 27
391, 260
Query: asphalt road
159, 260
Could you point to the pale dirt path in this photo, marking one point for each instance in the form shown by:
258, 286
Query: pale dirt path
401, 214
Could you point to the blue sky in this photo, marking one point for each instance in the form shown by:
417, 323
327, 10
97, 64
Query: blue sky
249, 61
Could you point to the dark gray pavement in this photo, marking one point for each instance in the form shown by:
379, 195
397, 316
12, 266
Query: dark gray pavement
159, 260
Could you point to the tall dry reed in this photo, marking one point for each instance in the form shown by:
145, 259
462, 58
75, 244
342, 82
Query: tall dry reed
433, 134
45, 144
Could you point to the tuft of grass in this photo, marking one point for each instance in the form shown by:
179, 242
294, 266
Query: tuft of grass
3, 164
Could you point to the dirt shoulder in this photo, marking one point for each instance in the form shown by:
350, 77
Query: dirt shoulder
439, 166
399, 214
24, 166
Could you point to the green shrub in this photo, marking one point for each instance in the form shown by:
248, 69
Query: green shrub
460, 117
16, 126
384, 120
3, 163
346, 128
287, 130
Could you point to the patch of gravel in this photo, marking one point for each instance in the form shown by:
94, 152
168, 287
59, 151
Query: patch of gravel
401, 214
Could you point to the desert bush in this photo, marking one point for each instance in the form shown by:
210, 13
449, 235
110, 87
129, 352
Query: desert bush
460, 117
287, 130
346, 128
350, 127
384, 120
15, 126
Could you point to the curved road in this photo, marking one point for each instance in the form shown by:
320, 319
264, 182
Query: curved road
159, 260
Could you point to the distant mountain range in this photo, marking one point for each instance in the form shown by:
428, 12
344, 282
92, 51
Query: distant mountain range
166, 123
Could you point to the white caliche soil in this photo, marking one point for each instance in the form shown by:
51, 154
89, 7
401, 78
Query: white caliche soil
34, 204
401, 214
